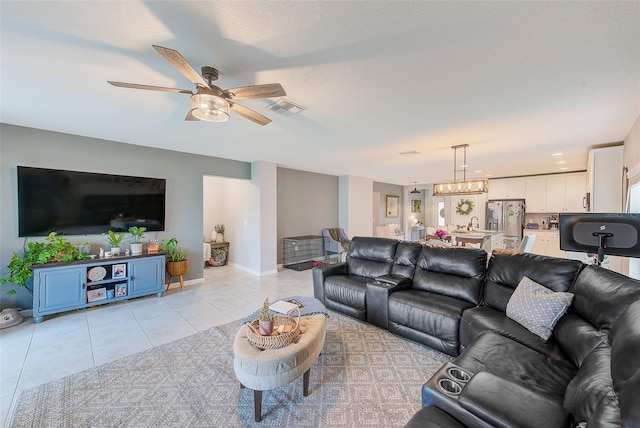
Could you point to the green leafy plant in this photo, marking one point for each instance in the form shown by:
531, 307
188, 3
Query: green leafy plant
54, 249
219, 228
218, 253
265, 315
114, 240
137, 233
173, 253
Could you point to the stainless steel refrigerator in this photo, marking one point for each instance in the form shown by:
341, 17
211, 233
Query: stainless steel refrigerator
508, 216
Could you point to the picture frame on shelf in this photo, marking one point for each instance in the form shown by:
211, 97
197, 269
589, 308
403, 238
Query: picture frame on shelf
392, 206
119, 271
121, 289
97, 294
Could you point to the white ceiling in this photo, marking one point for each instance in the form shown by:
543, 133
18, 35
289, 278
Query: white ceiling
517, 81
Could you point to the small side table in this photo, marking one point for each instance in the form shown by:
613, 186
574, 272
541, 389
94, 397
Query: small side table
217, 261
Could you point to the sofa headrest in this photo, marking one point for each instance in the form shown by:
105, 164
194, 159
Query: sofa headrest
405, 259
601, 295
507, 268
376, 249
459, 261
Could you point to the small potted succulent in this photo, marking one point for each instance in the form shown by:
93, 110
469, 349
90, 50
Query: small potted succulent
265, 320
137, 233
114, 242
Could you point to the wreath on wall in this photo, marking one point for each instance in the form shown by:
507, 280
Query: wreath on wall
465, 206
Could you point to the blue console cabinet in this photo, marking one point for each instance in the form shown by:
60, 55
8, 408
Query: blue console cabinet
59, 287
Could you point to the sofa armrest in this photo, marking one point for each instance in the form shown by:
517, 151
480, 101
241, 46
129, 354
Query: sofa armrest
320, 273
377, 297
506, 404
400, 282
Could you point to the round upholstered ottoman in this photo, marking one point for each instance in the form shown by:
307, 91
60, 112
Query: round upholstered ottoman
261, 370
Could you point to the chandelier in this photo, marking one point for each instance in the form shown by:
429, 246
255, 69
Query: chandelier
464, 187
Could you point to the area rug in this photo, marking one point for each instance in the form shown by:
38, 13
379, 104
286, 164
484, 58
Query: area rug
365, 376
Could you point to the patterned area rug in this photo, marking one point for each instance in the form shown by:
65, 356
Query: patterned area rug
365, 377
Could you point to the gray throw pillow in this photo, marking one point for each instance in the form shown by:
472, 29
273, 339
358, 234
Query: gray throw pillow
537, 307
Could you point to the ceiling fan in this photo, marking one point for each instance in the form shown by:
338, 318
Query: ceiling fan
209, 102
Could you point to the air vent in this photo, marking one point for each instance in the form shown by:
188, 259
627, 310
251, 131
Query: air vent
409, 153
285, 108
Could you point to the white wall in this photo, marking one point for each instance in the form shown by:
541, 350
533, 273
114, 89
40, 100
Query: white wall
213, 205
355, 205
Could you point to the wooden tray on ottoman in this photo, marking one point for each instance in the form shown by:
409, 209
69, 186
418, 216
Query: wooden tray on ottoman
276, 340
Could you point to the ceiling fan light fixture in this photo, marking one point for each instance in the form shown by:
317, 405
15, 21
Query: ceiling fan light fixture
210, 108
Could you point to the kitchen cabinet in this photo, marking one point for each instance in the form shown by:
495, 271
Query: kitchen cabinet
546, 243
565, 193
604, 179
507, 188
536, 195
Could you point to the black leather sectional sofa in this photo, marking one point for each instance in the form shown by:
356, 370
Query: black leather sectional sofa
455, 300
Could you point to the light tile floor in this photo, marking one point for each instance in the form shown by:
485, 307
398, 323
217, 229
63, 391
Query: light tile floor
66, 343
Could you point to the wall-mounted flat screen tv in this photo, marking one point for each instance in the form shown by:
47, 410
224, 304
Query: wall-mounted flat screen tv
616, 234
83, 203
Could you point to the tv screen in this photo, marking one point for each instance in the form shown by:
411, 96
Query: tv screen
584, 233
81, 203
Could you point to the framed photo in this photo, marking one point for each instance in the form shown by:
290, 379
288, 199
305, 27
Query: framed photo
97, 294
119, 271
392, 207
121, 289
416, 206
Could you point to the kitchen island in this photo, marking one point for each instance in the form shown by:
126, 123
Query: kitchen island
490, 238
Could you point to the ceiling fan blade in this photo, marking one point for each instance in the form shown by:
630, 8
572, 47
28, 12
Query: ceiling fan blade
247, 113
148, 87
182, 65
269, 90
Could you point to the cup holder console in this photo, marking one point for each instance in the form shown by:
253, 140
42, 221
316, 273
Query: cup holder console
449, 387
458, 374
449, 380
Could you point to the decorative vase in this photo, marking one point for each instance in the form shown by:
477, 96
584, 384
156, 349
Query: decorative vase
136, 249
115, 251
266, 327
214, 236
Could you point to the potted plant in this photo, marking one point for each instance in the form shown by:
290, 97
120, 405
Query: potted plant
137, 233
177, 263
218, 257
114, 242
265, 321
219, 228
54, 249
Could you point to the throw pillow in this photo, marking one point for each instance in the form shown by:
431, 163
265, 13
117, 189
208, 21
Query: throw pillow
537, 307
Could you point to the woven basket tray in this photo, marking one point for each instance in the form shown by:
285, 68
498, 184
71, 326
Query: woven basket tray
277, 340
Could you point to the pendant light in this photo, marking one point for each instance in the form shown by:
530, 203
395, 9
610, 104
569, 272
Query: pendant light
415, 190
464, 187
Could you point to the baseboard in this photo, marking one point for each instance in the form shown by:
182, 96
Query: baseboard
251, 271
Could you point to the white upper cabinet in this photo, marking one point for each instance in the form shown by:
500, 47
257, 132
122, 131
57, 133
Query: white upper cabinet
604, 179
536, 195
565, 193
507, 188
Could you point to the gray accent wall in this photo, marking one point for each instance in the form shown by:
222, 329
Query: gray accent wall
307, 203
385, 189
46, 149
